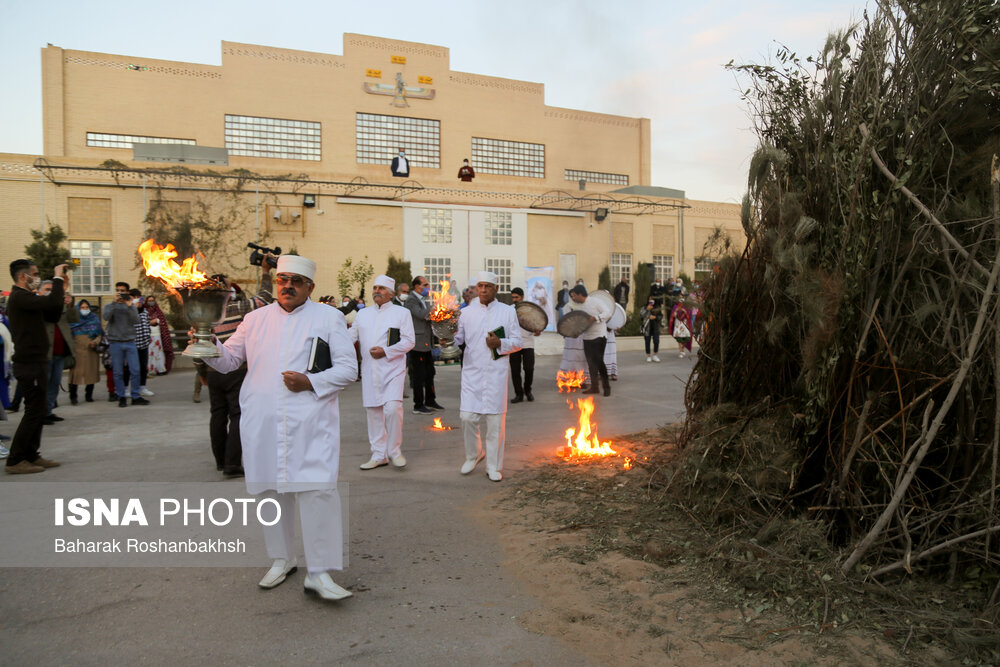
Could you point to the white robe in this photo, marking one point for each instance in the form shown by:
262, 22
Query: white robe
291, 440
382, 379
484, 379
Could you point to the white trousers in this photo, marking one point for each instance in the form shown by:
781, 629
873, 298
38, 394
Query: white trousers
385, 430
322, 530
473, 424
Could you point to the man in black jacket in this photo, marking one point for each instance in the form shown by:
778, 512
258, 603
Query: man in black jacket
28, 313
621, 292
400, 165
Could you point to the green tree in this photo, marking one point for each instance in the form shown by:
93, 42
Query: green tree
47, 250
604, 278
353, 277
399, 270
640, 284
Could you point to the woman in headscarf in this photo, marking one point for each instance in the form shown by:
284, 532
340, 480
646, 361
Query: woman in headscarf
86, 335
680, 327
161, 347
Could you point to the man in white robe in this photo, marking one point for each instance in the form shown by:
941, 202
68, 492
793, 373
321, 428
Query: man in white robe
383, 371
484, 379
290, 421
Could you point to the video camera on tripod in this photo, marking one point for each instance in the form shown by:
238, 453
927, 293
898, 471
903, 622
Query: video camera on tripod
260, 255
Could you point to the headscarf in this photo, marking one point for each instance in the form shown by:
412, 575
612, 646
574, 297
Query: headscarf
155, 313
88, 325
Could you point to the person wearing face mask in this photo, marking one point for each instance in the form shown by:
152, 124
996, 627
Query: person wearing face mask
28, 313
143, 336
400, 165
419, 360
465, 172
87, 333
122, 317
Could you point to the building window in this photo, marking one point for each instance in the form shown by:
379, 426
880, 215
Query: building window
437, 269
703, 268
621, 264
498, 228
436, 225
273, 137
379, 139
501, 267
93, 275
596, 177
105, 140
513, 158
663, 267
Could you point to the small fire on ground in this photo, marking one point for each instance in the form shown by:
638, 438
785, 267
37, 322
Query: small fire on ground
438, 426
159, 263
582, 442
569, 381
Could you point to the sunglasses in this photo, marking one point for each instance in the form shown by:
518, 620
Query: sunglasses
296, 281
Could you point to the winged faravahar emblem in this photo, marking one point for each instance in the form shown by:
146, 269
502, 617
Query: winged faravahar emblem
400, 92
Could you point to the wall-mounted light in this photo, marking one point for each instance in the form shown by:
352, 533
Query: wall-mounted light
308, 200
600, 214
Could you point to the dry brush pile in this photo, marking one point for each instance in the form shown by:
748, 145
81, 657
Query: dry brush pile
851, 366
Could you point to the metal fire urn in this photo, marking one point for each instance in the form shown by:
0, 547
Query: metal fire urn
203, 308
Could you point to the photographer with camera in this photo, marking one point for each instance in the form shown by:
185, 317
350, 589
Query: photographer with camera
122, 318
224, 388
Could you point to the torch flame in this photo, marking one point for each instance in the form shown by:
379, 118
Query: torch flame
569, 380
159, 263
586, 443
445, 303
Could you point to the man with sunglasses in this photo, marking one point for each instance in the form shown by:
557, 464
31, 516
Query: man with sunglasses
290, 421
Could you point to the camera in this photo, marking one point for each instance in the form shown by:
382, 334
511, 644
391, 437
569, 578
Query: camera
259, 254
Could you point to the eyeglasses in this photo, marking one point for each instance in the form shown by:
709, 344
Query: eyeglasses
296, 281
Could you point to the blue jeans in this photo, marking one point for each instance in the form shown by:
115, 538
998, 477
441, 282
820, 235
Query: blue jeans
55, 380
122, 353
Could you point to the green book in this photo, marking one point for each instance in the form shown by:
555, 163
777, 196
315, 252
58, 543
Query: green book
500, 333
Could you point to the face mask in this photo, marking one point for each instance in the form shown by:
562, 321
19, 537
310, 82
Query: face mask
346, 303
425, 291
85, 311
360, 306
135, 301
34, 284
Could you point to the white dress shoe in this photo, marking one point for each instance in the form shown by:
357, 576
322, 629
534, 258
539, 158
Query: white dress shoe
323, 586
281, 569
494, 476
399, 461
470, 464
373, 463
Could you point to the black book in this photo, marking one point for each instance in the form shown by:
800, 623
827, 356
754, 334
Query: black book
500, 333
319, 356
393, 336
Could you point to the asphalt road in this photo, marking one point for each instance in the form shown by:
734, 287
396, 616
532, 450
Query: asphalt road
429, 583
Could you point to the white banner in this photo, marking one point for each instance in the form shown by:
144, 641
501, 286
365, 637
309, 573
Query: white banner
539, 289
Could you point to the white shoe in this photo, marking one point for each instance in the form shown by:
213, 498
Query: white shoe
323, 586
145, 392
648, 359
4, 452
470, 464
281, 569
656, 358
373, 463
399, 461
494, 476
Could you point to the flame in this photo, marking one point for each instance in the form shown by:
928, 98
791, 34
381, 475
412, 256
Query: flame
569, 380
438, 426
628, 463
159, 263
586, 443
445, 303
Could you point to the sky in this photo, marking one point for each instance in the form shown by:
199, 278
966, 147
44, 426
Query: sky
657, 59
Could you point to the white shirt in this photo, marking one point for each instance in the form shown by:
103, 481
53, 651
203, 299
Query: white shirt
291, 440
484, 379
382, 379
598, 329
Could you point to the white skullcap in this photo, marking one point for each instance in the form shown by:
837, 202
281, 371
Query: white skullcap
298, 265
486, 277
472, 281
385, 281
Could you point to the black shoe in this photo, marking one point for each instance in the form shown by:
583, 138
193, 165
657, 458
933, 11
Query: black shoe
14, 408
122, 402
607, 391
421, 410
54, 417
73, 400
517, 399
592, 390
234, 472
48, 421
89, 399
139, 401
528, 395
112, 397
434, 405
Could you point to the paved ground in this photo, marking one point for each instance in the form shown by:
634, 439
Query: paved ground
429, 584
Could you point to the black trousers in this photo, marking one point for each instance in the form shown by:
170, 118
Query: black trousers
33, 381
654, 335
523, 357
593, 350
143, 368
224, 423
421, 377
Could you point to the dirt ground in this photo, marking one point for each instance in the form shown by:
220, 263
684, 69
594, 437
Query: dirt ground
611, 603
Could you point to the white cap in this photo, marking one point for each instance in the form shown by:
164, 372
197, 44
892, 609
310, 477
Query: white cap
472, 281
298, 265
486, 277
385, 281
